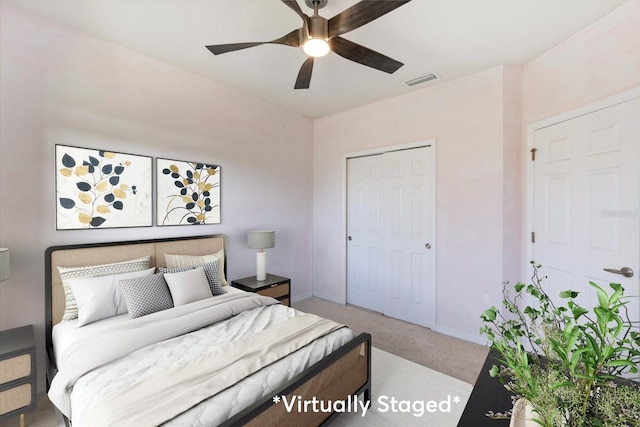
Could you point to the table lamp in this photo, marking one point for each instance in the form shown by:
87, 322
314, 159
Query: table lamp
261, 240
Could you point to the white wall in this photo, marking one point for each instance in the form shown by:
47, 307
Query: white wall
59, 86
466, 117
480, 124
599, 61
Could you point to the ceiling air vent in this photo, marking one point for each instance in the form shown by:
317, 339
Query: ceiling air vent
422, 79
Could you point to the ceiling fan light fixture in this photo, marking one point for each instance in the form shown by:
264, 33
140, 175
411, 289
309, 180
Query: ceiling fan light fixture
316, 47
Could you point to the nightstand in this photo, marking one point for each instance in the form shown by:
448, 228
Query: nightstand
275, 287
17, 372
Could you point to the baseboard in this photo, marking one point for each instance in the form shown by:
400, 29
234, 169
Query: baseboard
462, 335
301, 297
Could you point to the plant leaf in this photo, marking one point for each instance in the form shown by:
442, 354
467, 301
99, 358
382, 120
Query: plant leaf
489, 315
494, 371
84, 218
97, 221
67, 203
83, 186
82, 170
85, 198
68, 161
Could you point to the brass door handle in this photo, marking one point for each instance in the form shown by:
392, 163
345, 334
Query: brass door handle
625, 271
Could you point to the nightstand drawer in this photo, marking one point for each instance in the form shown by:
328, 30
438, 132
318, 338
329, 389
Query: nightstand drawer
18, 376
273, 286
16, 398
276, 291
14, 368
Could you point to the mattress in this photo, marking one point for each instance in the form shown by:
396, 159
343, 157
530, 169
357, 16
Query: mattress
151, 360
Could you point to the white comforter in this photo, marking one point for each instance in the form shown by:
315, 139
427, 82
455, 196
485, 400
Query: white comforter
148, 360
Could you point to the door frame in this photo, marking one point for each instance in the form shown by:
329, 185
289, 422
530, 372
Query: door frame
591, 107
377, 151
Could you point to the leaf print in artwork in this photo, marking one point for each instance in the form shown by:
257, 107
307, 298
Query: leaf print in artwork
188, 193
94, 185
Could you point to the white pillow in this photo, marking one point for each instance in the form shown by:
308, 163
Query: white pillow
177, 261
101, 297
188, 286
71, 309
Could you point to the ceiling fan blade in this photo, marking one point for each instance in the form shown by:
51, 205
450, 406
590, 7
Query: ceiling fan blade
293, 4
360, 14
291, 39
218, 49
363, 55
304, 75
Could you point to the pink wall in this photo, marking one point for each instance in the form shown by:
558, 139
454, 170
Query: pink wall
60, 86
466, 117
63, 87
480, 124
600, 61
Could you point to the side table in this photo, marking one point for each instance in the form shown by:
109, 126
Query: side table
17, 372
274, 286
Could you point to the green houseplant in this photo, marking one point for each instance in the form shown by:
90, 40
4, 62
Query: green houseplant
563, 359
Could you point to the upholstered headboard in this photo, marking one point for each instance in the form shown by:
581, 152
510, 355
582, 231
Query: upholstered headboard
102, 253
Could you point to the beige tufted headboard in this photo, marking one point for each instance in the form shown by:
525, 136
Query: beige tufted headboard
101, 253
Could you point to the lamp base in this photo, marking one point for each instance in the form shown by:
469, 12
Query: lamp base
261, 266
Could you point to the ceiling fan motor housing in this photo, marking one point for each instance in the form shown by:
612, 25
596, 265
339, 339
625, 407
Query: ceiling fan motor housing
318, 28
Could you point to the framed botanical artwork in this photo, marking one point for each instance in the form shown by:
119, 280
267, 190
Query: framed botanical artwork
102, 189
188, 193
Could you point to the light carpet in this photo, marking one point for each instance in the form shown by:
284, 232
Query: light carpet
423, 397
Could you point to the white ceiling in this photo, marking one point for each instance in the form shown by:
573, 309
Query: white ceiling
451, 37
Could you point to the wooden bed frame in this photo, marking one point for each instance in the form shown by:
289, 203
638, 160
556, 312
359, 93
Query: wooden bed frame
343, 373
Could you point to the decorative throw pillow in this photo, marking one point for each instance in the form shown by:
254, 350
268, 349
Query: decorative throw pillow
188, 286
146, 295
177, 261
211, 271
71, 308
100, 297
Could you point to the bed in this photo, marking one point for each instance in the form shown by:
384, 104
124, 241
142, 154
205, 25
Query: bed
270, 350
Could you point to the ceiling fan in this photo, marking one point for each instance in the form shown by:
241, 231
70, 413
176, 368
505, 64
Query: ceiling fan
318, 36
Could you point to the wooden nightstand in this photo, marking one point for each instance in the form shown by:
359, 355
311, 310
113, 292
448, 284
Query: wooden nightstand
17, 372
275, 287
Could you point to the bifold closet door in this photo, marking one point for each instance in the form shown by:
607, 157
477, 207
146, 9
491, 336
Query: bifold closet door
391, 234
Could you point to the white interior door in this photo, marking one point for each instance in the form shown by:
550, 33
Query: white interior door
587, 202
391, 232
366, 276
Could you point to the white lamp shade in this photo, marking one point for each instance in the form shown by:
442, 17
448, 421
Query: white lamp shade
261, 239
4, 264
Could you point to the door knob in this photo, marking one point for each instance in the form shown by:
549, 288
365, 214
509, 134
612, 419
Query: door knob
625, 271
349, 238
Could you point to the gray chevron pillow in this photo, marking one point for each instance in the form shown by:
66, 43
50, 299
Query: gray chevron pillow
146, 295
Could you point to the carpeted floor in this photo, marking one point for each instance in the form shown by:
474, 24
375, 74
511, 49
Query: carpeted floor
451, 356
407, 394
